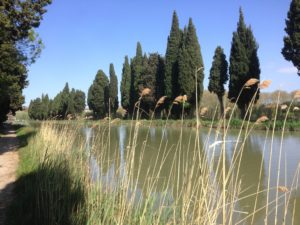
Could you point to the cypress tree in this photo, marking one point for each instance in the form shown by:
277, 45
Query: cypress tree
98, 95
65, 107
244, 65
291, 49
172, 53
190, 60
218, 76
79, 101
136, 71
113, 89
126, 84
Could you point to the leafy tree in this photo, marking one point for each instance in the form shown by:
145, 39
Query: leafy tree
113, 89
98, 95
244, 65
218, 76
126, 84
291, 49
172, 54
19, 47
190, 61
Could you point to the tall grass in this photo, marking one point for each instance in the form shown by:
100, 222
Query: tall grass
63, 179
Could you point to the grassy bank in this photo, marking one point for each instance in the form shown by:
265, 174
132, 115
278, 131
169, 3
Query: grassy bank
56, 183
236, 124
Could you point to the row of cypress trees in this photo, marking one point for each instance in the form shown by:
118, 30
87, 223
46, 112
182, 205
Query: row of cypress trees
65, 104
178, 73
169, 76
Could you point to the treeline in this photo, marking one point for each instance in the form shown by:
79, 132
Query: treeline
173, 81
165, 77
65, 105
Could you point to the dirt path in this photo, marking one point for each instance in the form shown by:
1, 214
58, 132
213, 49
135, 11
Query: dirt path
9, 160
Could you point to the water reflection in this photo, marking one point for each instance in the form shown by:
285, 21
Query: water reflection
162, 163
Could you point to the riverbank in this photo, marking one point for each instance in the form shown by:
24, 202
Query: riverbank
62, 179
236, 124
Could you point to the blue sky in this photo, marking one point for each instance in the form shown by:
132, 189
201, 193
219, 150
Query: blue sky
81, 37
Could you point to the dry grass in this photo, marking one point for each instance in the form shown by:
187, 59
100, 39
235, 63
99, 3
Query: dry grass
203, 185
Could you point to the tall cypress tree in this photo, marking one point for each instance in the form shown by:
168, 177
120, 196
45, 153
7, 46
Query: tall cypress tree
136, 72
126, 84
98, 95
190, 60
113, 89
218, 76
244, 65
291, 49
172, 54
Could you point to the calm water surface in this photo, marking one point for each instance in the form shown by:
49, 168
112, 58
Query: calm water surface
166, 146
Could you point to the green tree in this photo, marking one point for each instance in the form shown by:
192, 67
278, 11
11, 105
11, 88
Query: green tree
291, 49
152, 78
113, 89
172, 54
19, 47
190, 61
244, 65
136, 71
218, 76
126, 84
79, 101
66, 105
98, 95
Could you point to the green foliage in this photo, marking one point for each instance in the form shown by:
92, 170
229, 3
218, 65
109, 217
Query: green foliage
291, 49
63, 105
113, 89
136, 72
190, 60
19, 47
172, 54
244, 65
79, 101
218, 75
98, 95
126, 85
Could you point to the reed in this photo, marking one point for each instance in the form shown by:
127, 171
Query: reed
65, 177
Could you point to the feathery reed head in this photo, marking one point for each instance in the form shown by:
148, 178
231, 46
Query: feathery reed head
297, 94
227, 109
180, 99
265, 84
262, 119
283, 107
251, 82
145, 92
283, 189
161, 100
203, 111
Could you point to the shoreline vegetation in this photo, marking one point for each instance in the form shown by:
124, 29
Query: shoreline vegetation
56, 184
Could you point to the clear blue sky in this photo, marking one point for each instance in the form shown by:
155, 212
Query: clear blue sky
81, 37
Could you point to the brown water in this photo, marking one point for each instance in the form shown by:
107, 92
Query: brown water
159, 151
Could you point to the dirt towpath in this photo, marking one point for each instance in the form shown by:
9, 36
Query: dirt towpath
9, 160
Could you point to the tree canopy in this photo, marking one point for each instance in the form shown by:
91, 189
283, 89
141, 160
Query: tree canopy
98, 95
218, 76
244, 65
19, 47
291, 49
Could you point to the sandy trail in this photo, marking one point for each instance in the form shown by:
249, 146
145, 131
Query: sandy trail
9, 160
